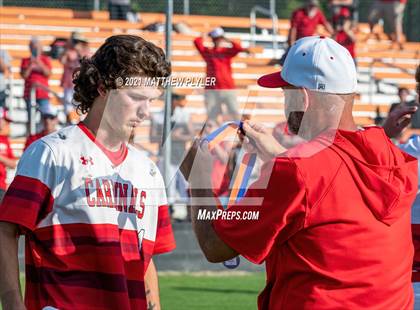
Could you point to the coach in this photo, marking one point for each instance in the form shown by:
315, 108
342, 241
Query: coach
334, 222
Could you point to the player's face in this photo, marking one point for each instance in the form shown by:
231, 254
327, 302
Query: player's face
127, 108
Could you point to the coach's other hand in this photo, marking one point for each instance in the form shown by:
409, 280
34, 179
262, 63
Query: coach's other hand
265, 145
398, 119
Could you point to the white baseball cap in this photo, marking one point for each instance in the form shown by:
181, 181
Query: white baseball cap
217, 32
316, 63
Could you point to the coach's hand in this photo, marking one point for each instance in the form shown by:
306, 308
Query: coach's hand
265, 145
398, 119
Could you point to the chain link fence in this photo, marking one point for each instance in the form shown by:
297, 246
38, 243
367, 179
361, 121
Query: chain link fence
283, 8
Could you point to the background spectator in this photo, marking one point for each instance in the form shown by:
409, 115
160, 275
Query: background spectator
392, 12
118, 9
35, 70
5, 65
403, 95
77, 47
305, 20
7, 160
342, 7
49, 121
343, 33
219, 66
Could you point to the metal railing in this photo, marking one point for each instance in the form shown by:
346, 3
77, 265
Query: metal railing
9, 91
253, 22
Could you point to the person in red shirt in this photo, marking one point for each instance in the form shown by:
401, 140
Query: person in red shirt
344, 34
49, 119
331, 215
7, 159
305, 20
342, 7
218, 58
35, 70
392, 11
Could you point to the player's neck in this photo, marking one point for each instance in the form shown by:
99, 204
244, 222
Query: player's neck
103, 133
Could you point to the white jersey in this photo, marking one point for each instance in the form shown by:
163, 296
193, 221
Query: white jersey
85, 201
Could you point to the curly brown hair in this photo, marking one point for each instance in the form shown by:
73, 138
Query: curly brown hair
120, 56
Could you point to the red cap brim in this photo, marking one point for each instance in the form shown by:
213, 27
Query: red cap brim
272, 80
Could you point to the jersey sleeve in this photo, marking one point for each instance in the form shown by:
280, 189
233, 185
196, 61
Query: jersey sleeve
29, 197
280, 215
165, 240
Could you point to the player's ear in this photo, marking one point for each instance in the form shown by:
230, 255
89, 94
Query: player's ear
102, 90
306, 100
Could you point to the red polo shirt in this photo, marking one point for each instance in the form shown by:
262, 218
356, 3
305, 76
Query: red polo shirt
334, 226
219, 63
305, 25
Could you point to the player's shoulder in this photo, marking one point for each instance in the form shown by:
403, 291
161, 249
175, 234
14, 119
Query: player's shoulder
143, 162
63, 135
141, 157
308, 160
59, 141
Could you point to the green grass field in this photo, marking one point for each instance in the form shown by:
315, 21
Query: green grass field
210, 291
215, 291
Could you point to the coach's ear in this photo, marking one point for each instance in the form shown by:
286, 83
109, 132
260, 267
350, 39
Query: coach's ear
102, 90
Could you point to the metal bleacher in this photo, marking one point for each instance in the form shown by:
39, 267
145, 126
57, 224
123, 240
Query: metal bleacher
381, 68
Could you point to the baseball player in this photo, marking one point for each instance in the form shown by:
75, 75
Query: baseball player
334, 225
93, 208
